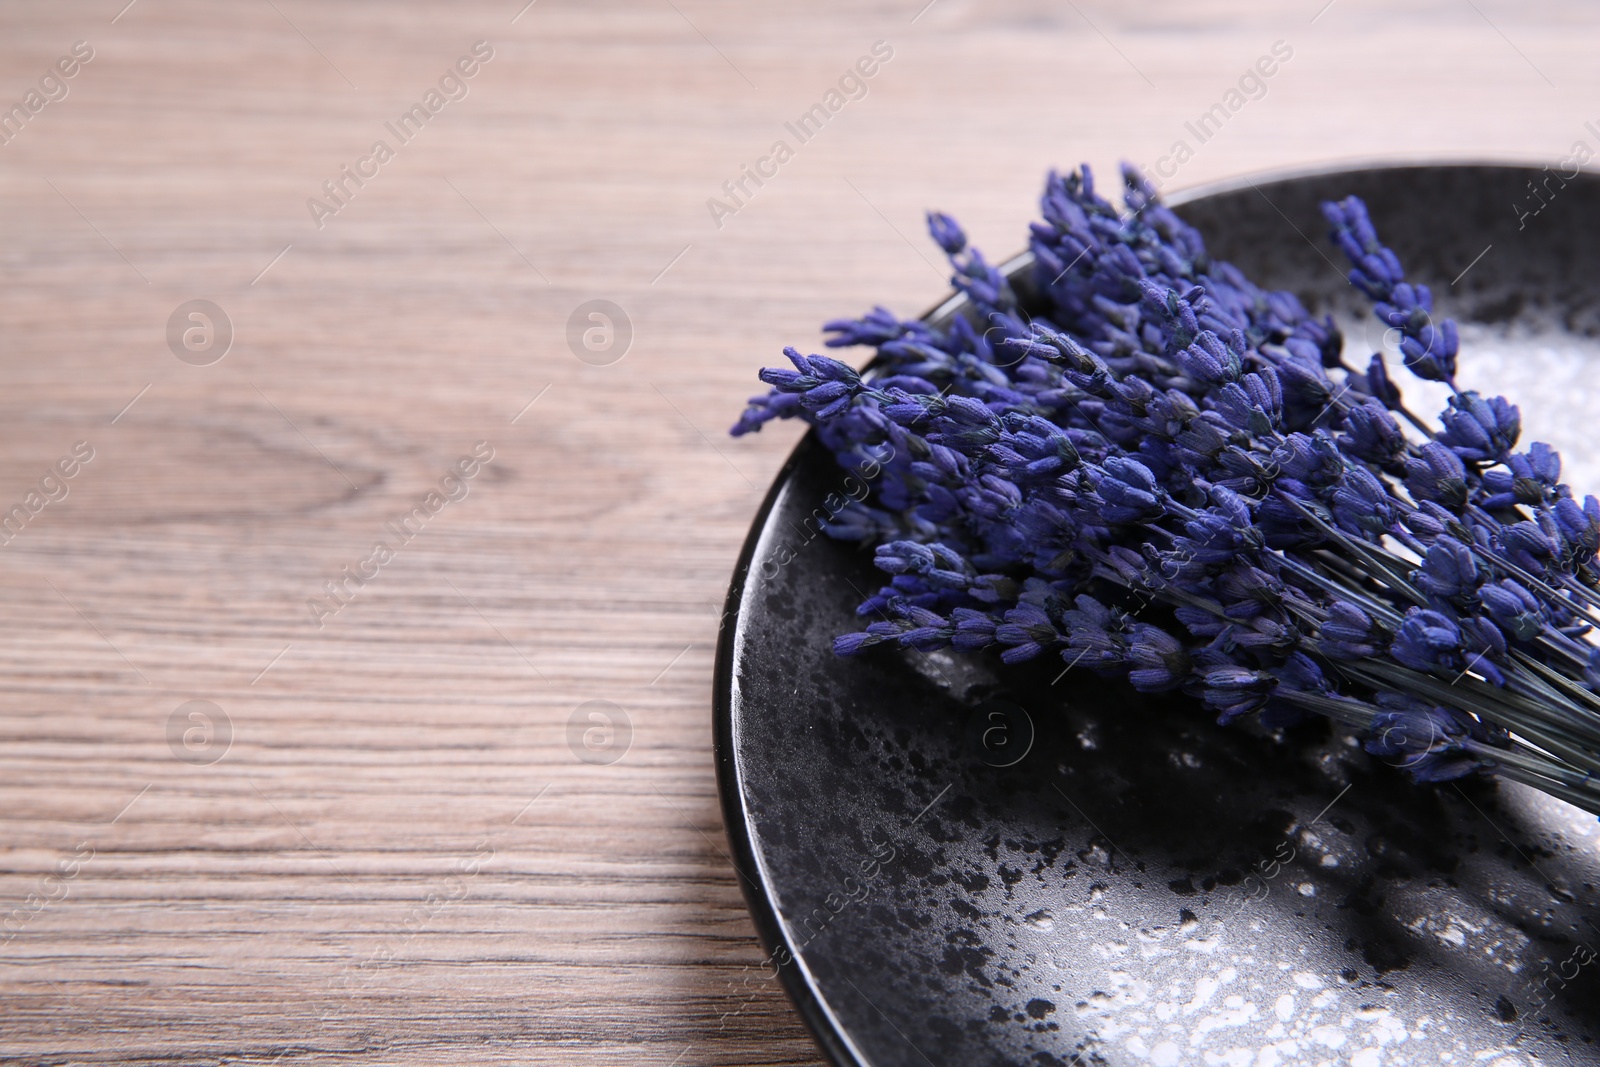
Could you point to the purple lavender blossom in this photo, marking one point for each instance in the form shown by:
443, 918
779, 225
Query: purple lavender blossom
1161, 472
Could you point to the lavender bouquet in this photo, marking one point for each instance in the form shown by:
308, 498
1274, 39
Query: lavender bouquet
1161, 472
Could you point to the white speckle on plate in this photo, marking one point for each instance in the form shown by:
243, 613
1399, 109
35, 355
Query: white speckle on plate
1328, 1036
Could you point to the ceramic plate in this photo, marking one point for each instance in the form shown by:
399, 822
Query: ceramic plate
950, 862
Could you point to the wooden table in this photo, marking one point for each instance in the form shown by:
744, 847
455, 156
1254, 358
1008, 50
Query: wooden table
378, 843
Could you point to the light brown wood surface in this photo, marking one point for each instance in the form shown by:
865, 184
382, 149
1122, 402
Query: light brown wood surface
400, 859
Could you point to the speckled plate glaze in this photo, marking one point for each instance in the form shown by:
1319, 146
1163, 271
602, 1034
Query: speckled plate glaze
951, 863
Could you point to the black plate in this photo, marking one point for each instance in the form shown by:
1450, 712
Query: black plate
1137, 884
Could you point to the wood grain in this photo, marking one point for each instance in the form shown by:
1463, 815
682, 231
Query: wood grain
399, 858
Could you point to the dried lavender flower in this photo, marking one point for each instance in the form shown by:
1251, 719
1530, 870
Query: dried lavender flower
1152, 473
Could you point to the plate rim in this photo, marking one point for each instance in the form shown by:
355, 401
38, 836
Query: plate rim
831, 1037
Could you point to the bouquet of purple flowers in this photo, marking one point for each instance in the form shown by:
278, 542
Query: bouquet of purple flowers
1157, 470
